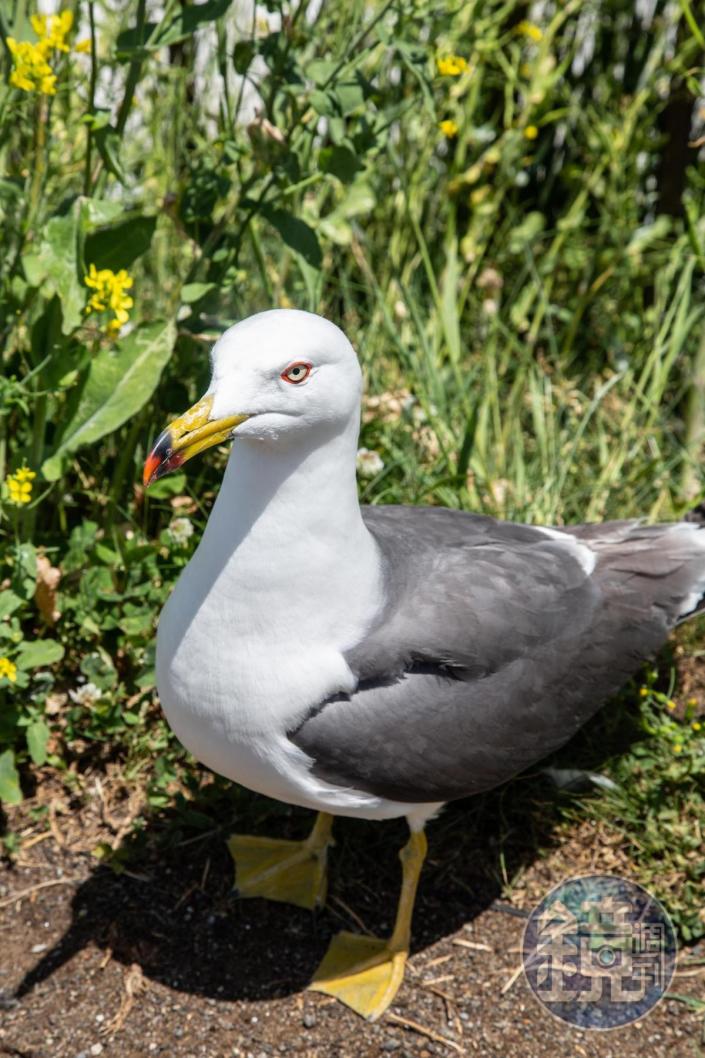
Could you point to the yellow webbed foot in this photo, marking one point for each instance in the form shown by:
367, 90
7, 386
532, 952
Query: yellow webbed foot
293, 872
362, 972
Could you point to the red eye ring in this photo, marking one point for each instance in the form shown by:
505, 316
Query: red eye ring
301, 370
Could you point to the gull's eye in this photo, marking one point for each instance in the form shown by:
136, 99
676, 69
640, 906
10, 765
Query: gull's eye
296, 373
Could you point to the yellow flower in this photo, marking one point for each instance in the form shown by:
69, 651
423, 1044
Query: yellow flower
52, 30
678, 748
530, 30
83, 46
25, 474
670, 704
644, 692
451, 65
449, 128
19, 486
8, 670
696, 725
110, 295
31, 72
531, 132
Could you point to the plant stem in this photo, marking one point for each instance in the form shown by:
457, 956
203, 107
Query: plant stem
133, 73
87, 177
695, 425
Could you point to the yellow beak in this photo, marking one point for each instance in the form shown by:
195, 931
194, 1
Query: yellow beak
188, 435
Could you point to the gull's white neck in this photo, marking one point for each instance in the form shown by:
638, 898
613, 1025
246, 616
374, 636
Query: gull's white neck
285, 579
294, 505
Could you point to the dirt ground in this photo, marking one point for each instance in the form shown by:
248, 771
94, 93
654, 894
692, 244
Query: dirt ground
155, 955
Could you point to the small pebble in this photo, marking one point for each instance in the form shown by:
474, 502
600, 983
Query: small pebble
97, 1049
37, 948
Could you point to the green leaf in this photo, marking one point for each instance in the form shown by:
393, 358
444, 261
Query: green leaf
340, 161
180, 24
172, 485
350, 94
120, 381
109, 142
38, 653
24, 580
37, 738
96, 213
297, 234
321, 70
192, 292
10, 791
9, 602
323, 103
54, 267
243, 54
117, 247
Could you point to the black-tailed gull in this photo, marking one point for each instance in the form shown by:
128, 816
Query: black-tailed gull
379, 661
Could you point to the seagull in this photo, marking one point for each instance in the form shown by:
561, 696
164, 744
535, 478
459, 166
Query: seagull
379, 661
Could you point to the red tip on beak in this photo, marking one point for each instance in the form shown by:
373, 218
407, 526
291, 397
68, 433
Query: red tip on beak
162, 459
150, 467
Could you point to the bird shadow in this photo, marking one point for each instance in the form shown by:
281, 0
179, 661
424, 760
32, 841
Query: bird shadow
165, 899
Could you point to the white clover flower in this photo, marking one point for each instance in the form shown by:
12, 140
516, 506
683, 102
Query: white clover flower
87, 695
369, 463
180, 531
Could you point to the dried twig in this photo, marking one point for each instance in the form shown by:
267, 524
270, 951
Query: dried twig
513, 979
134, 983
423, 1031
353, 915
475, 945
35, 888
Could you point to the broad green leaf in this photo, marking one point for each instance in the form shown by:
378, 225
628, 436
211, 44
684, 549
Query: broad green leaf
349, 94
37, 738
297, 234
323, 103
192, 292
9, 602
118, 246
54, 267
182, 23
340, 161
243, 54
321, 70
24, 580
167, 486
120, 381
10, 791
38, 653
96, 213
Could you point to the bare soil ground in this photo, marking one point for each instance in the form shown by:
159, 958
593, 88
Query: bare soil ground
154, 955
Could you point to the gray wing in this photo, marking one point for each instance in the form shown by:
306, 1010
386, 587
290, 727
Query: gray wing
496, 643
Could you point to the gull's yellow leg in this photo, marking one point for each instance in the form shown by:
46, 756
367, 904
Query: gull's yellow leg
363, 972
291, 871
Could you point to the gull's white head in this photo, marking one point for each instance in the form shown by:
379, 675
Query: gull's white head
275, 376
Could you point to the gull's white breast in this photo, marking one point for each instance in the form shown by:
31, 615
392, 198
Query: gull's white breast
247, 644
